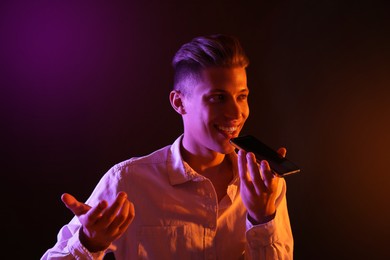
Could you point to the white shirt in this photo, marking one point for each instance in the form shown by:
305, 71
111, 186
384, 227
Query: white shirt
178, 216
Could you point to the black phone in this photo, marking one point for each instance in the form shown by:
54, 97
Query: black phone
280, 166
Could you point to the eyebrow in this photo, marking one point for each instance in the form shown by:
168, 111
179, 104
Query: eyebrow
222, 90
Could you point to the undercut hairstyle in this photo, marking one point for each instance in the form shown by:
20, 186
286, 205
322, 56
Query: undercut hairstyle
202, 53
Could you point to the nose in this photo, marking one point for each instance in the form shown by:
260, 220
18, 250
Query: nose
233, 109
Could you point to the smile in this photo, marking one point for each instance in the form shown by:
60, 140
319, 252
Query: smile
228, 129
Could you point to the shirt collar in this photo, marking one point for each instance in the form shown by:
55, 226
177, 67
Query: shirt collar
178, 171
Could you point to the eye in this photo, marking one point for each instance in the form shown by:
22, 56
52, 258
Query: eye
243, 97
216, 98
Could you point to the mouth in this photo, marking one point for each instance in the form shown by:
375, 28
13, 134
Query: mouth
228, 131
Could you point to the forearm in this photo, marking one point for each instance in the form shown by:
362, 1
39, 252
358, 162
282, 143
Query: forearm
68, 246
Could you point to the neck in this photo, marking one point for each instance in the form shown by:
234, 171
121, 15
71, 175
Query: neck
202, 163
214, 166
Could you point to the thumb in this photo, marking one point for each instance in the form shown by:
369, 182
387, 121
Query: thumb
282, 151
78, 208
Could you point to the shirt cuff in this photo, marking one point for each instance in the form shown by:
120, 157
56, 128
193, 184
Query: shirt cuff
261, 235
80, 252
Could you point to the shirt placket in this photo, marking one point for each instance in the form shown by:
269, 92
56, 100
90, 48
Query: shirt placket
210, 225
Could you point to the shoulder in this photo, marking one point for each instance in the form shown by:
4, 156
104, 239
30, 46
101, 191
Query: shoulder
154, 159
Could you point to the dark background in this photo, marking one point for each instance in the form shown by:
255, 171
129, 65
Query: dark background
84, 85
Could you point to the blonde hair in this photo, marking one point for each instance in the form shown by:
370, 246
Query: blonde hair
205, 52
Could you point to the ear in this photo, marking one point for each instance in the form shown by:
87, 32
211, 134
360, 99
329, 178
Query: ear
176, 99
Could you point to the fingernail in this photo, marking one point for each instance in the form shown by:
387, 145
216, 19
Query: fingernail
103, 204
122, 195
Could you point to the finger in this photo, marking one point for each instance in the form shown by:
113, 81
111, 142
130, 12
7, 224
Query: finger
121, 217
129, 219
74, 205
266, 172
255, 173
282, 151
242, 167
126, 223
110, 214
95, 213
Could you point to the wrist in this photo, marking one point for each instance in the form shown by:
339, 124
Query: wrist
88, 244
258, 220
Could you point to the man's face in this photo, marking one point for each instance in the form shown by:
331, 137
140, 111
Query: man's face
216, 110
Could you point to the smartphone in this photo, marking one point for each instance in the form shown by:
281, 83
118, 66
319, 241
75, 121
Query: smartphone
280, 166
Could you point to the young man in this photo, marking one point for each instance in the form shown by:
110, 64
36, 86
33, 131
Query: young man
194, 199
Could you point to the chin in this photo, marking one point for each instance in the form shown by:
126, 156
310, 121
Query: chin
222, 144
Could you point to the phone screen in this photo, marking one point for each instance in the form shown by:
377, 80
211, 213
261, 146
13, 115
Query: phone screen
281, 166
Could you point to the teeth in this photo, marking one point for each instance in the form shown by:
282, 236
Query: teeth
230, 129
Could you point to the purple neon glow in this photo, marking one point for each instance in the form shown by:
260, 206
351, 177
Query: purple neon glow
63, 58
73, 74
58, 39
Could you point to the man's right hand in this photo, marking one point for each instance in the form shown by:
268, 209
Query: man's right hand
101, 224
